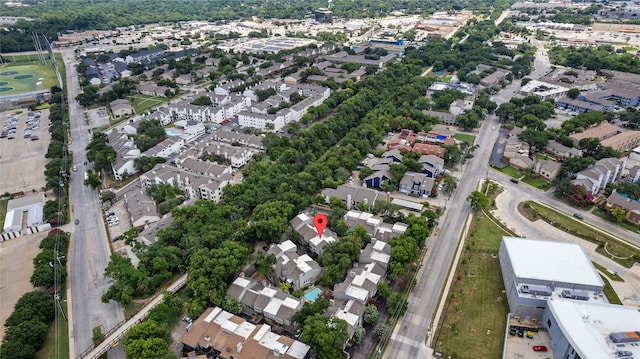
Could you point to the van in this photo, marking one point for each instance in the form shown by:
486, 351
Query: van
578, 216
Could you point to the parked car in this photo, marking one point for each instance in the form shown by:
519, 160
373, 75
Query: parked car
514, 180
77, 221
539, 348
530, 334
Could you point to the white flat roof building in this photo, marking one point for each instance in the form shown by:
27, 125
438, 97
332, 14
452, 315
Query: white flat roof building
551, 261
592, 330
534, 270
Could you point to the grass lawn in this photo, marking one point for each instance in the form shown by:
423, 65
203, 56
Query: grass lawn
611, 295
606, 216
142, 103
510, 171
604, 270
50, 350
464, 137
3, 208
541, 156
24, 77
537, 182
578, 228
475, 316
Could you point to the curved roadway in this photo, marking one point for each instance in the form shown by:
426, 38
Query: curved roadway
410, 334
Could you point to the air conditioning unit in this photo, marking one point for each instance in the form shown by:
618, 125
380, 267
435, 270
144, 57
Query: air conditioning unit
534, 320
516, 317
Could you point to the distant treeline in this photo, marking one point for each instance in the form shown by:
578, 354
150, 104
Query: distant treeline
54, 17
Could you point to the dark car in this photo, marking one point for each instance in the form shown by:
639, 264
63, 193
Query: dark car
539, 348
514, 180
578, 216
77, 221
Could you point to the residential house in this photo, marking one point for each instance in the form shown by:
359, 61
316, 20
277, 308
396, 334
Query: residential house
352, 195
494, 78
297, 270
547, 169
458, 107
271, 303
445, 117
224, 335
376, 252
126, 153
427, 149
374, 225
237, 138
152, 90
193, 185
361, 283
349, 310
307, 234
601, 132
416, 184
621, 200
377, 178
121, 107
431, 165
141, 207
394, 155
166, 148
623, 142
585, 103
561, 151
603, 172
520, 162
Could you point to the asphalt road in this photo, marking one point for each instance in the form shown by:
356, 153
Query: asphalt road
89, 252
408, 340
522, 192
542, 66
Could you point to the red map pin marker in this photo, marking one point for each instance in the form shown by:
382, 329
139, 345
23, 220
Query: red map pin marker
320, 221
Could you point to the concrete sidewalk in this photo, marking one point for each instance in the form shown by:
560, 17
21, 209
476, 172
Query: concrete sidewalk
628, 291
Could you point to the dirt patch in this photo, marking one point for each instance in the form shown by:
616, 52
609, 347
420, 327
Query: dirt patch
527, 212
16, 267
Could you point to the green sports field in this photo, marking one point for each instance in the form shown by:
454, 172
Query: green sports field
16, 78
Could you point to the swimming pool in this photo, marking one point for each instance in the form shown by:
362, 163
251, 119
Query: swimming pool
313, 294
172, 133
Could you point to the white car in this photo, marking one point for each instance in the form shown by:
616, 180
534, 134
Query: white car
75, 168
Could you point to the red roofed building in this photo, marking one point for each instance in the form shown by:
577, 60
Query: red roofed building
427, 149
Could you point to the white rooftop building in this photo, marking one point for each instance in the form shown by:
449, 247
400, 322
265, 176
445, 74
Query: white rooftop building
16, 208
592, 330
535, 270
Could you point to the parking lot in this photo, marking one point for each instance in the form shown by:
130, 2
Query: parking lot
22, 158
523, 348
98, 117
116, 228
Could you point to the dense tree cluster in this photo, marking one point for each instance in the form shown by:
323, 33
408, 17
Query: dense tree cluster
166, 196
213, 241
151, 339
464, 57
28, 325
46, 265
100, 152
149, 134
604, 57
57, 169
